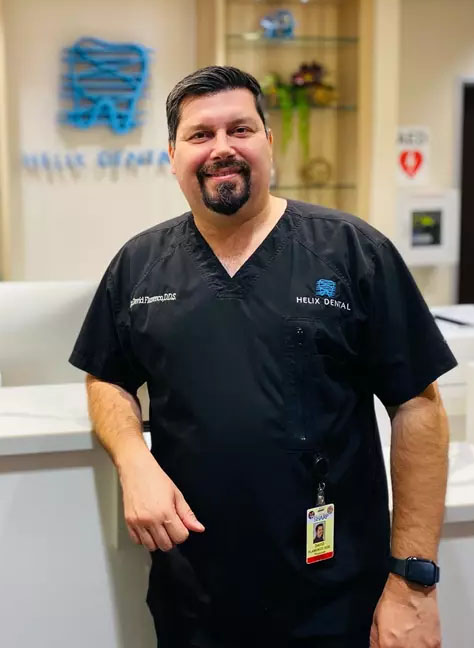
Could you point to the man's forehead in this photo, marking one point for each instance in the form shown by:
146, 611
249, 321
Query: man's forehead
227, 105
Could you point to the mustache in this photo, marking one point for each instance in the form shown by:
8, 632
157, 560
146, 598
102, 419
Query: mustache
238, 165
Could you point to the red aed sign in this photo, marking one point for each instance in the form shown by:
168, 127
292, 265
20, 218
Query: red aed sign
411, 161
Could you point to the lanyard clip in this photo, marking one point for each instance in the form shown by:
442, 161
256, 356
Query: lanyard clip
320, 471
320, 501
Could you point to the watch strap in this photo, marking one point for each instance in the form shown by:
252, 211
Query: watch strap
400, 566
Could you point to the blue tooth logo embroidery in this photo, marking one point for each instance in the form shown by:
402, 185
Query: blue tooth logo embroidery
324, 293
325, 288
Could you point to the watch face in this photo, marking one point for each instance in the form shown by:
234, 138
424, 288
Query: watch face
421, 571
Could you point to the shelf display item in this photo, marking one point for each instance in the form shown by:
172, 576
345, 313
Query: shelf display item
317, 171
304, 123
270, 84
305, 90
285, 102
279, 95
310, 76
280, 24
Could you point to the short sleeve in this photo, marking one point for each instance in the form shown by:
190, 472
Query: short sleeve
406, 350
103, 347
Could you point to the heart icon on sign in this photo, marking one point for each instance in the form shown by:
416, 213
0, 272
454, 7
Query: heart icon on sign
410, 162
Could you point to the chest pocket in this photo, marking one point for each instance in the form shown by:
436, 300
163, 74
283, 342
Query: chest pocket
319, 379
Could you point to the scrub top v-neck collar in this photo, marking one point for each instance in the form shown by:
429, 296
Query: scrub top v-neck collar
239, 284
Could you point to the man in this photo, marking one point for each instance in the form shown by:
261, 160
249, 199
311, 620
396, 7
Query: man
318, 533
263, 327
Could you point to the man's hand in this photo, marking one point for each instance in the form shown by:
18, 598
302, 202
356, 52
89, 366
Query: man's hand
156, 513
406, 616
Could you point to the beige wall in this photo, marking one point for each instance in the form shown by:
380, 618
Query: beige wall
384, 114
436, 48
62, 227
66, 228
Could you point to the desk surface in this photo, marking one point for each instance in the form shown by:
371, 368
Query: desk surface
53, 418
44, 418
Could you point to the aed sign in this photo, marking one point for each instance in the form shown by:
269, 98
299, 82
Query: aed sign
413, 153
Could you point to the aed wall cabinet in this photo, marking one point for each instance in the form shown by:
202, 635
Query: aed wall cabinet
428, 226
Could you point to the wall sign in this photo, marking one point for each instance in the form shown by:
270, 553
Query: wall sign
103, 159
104, 83
413, 149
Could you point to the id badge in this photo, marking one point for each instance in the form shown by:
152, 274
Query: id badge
319, 533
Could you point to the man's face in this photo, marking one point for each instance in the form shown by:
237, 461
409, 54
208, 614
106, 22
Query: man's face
222, 156
319, 532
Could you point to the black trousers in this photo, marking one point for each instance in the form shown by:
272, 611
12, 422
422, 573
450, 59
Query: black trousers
340, 641
172, 638
358, 640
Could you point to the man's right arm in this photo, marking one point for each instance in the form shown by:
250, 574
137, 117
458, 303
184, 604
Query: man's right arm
156, 513
117, 420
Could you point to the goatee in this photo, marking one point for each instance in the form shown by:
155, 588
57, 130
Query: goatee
226, 198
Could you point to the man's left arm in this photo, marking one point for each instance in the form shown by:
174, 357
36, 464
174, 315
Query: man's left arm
407, 614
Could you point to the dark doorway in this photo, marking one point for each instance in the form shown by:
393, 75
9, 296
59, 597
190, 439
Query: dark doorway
466, 261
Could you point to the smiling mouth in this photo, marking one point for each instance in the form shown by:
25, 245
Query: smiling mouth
223, 173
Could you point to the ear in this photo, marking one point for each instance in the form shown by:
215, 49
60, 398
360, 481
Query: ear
270, 138
171, 151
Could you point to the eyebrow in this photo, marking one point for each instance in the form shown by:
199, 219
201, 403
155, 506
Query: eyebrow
203, 126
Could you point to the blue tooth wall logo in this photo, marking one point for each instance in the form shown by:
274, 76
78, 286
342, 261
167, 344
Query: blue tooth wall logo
325, 288
104, 83
325, 291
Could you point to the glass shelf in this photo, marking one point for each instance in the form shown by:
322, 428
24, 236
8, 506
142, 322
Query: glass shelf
256, 39
341, 107
312, 3
319, 187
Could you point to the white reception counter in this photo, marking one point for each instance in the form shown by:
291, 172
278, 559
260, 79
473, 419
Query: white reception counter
69, 573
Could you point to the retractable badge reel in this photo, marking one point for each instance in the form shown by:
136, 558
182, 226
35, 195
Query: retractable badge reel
320, 519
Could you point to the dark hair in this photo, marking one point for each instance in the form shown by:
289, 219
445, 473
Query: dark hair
206, 81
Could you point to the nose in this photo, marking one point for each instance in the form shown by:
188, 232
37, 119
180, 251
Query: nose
222, 148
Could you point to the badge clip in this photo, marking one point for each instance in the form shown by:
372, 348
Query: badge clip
320, 500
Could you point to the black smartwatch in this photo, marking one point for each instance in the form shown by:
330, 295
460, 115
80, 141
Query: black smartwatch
417, 570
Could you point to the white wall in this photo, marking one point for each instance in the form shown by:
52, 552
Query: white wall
64, 227
436, 48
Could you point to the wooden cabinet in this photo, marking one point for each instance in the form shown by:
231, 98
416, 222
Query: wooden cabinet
322, 132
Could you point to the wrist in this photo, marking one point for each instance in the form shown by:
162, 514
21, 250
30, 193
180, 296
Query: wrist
404, 587
131, 453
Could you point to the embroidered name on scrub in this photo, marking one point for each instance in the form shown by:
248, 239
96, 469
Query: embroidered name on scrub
155, 298
319, 533
326, 301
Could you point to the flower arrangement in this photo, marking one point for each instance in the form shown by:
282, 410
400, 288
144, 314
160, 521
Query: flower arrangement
305, 90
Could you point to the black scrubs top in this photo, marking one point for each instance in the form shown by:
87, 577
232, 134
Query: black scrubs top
248, 376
